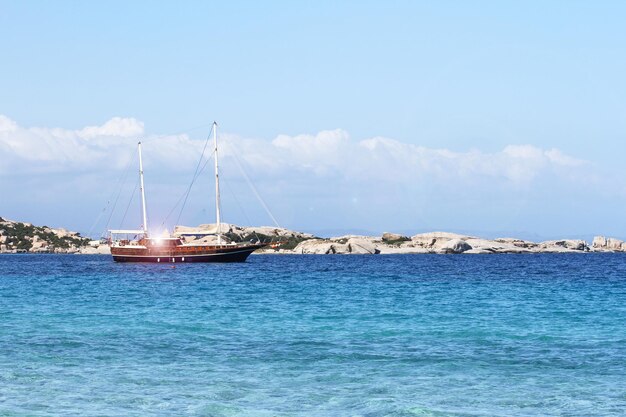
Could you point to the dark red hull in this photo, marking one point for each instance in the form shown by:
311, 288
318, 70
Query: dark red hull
185, 254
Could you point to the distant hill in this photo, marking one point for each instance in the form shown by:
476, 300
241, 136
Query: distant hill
18, 237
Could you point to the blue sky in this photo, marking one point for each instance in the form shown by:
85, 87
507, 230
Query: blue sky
526, 97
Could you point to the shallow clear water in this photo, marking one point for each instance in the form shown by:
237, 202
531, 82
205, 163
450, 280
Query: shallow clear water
508, 335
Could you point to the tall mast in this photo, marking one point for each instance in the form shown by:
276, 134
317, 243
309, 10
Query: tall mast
143, 194
217, 188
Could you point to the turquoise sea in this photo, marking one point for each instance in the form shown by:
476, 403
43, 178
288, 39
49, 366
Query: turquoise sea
415, 335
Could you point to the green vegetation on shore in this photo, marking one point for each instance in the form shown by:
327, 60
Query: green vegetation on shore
23, 237
396, 241
283, 242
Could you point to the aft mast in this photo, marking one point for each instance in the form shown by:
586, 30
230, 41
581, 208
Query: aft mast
217, 188
144, 226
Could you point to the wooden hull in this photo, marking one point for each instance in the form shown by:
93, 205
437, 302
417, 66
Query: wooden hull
185, 254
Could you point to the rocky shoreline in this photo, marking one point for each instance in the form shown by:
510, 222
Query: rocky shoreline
17, 237
393, 243
449, 243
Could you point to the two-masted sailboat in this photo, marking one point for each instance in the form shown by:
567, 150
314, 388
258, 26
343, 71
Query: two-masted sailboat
173, 249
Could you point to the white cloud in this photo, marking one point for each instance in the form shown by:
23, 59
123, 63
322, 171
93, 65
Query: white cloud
331, 155
93, 148
7, 125
396, 184
117, 126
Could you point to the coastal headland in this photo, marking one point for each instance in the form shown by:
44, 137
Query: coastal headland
19, 237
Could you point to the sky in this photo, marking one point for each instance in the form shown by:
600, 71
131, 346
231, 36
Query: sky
484, 117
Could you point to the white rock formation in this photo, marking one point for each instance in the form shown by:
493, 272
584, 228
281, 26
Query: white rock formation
361, 245
392, 237
456, 246
556, 246
39, 245
102, 249
603, 244
320, 247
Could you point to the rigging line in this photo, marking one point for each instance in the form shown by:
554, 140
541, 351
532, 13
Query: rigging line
195, 174
129, 202
120, 183
186, 193
254, 190
230, 190
98, 219
180, 213
240, 207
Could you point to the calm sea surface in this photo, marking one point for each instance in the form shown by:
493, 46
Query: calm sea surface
495, 335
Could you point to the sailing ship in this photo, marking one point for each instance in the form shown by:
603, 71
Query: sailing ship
172, 249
